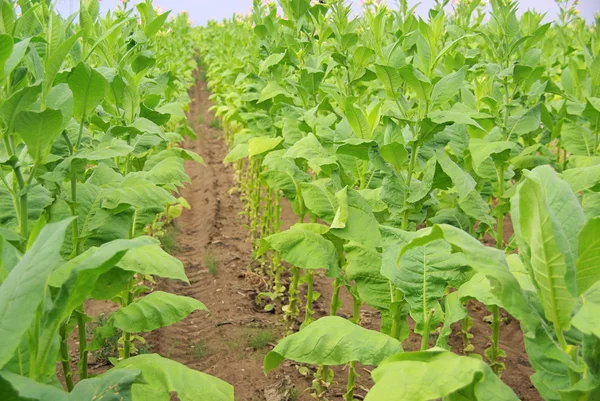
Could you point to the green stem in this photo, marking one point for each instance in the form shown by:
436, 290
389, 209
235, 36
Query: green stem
80, 133
349, 396
411, 170
65, 357
83, 353
127, 336
426, 331
335, 304
308, 312
23, 212
293, 291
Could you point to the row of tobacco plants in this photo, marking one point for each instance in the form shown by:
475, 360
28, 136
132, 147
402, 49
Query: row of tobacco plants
92, 112
408, 147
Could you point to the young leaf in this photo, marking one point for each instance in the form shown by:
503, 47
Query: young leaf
155, 310
333, 340
89, 88
446, 88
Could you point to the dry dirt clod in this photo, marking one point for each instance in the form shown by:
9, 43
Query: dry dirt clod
280, 391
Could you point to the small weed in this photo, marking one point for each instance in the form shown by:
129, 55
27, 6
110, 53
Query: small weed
215, 123
169, 240
172, 348
293, 394
201, 119
109, 345
261, 338
200, 350
211, 264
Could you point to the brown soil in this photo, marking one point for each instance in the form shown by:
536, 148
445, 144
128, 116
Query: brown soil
212, 244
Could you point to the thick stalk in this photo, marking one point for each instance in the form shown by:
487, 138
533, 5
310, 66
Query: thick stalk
411, 169
293, 291
65, 357
426, 331
83, 352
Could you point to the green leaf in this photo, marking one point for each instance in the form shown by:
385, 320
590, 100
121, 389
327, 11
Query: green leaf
587, 318
19, 101
39, 130
576, 139
424, 376
272, 60
56, 60
319, 198
310, 149
239, 152
333, 340
356, 147
89, 87
282, 174
582, 178
470, 200
304, 248
6, 49
164, 376
354, 219
139, 193
357, 120
527, 122
153, 260
15, 58
155, 310
395, 154
262, 144
23, 290
364, 265
446, 88
588, 269
545, 242
390, 79
19, 388
482, 150
454, 117
272, 90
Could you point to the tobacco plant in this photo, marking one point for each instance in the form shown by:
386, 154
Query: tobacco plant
92, 112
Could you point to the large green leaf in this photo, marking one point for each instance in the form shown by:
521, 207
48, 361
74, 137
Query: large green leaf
39, 130
89, 87
139, 193
333, 340
357, 120
164, 376
19, 101
155, 310
423, 274
487, 261
527, 122
153, 260
319, 198
425, 376
6, 49
38, 198
262, 144
301, 246
543, 239
576, 139
23, 290
483, 151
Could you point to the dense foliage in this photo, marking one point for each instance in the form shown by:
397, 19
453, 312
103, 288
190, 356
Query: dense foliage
92, 112
406, 146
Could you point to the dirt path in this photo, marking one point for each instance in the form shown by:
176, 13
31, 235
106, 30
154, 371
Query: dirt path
231, 342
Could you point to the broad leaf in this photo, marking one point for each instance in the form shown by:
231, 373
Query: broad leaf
333, 340
155, 310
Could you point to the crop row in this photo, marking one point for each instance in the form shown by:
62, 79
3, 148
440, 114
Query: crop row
92, 113
408, 148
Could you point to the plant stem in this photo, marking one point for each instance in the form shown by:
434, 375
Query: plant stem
349, 396
127, 336
65, 357
411, 169
334, 306
83, 353
495, 347
308, 312
293, 291
23, 212
426, 331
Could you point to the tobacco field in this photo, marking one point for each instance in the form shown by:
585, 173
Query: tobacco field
405, 206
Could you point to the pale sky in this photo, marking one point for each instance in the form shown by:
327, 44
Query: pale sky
205, 10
